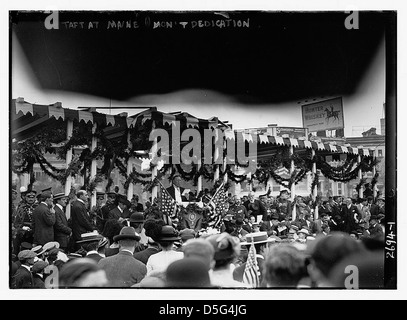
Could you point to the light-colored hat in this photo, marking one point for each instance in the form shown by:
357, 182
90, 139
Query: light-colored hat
48, 246
257, 237
305, 231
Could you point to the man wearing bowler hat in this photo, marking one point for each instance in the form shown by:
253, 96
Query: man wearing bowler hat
44, 219
137, 222
122, 269
62, 231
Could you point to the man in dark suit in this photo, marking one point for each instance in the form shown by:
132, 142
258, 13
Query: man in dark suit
350, 216
378, 207
121, 211
375, 228
152, 248
111, 202
285, 205
44, 220
81, 220
255, 207
62, 231
90, 243
122, 269
136, 206
176, 190
23, 278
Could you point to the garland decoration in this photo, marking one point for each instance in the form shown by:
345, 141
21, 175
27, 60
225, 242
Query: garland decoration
315, 182
94, 182
360, 184
348, 171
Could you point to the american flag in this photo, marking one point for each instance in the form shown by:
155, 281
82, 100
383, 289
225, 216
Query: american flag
166, 203
251, 273
217, 206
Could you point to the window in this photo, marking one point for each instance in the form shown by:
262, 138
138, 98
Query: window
339, 188
380, 153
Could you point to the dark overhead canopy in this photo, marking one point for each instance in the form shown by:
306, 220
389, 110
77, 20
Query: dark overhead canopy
281, 56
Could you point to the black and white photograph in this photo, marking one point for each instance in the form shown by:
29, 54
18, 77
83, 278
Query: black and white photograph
204, 151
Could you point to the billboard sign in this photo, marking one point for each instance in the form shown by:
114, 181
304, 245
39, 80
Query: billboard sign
323, 115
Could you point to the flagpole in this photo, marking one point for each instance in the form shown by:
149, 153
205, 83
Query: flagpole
154, 191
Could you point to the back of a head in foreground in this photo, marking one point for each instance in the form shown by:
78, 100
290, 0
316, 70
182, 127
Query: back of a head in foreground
82, 272
284, 266
359, 271
201, 249
188, 273
327, 252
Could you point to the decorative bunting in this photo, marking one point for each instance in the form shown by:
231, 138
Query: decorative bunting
144, 119
294, 142
24, 108
214, 125
129, 122
169, 119
263, 138
333, 148
320, 145
344, 149
56, 112
307, 144
229, 134
366, 152
110, 120
193, 122
279, 140
354, 150
85, 116
248, 137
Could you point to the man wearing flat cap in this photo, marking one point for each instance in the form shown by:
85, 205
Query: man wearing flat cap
81, 220
62, 231
38, 274
122, 269
44, 219
23, 279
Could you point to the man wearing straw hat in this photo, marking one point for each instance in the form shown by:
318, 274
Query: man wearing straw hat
257, 241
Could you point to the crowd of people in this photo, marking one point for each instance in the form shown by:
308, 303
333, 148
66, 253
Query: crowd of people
263, 241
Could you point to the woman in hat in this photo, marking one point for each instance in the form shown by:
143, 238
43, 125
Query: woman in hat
161, 260
227, 249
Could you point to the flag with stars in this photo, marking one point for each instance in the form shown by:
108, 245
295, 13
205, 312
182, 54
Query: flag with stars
217, 206
166, 203
251, 273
